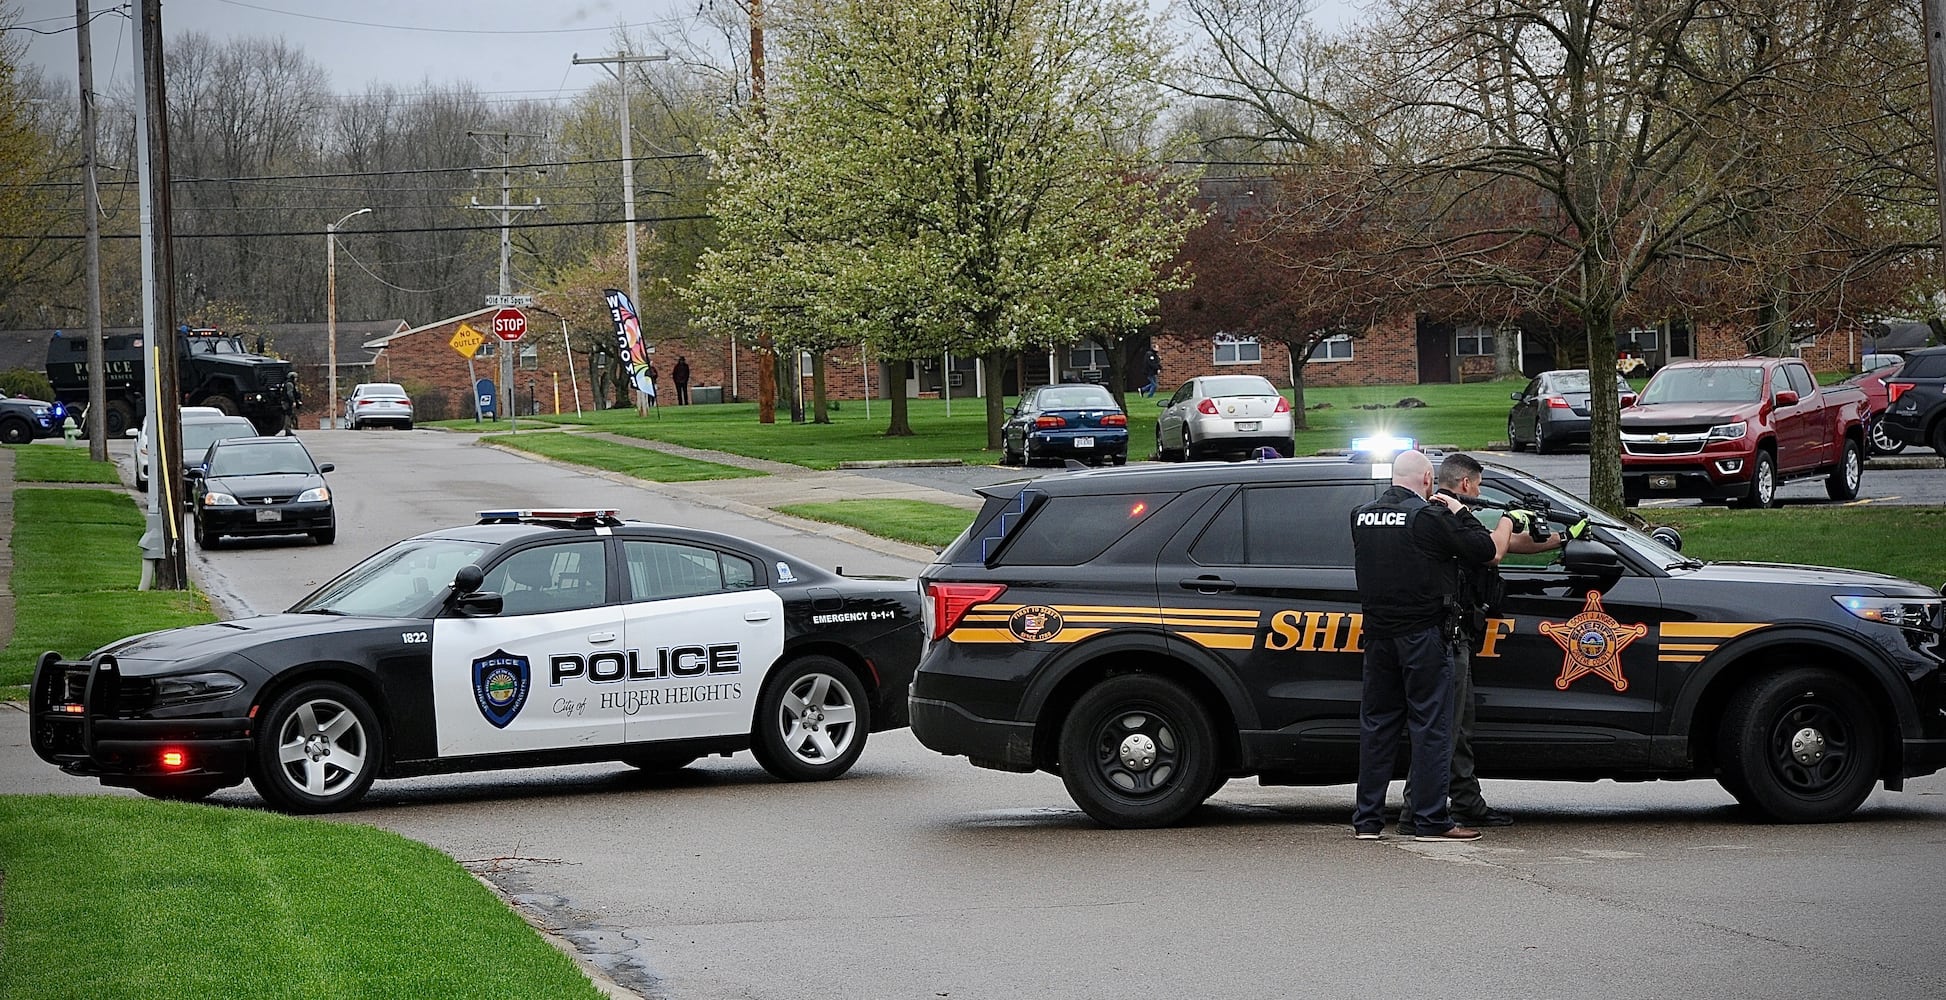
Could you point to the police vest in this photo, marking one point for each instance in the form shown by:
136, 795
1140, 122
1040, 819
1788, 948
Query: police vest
1403, 587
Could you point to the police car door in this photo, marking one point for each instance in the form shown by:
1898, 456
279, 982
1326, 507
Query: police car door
1565, 678
702, 634
532, 677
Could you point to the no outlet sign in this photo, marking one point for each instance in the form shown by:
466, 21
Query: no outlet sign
510, 324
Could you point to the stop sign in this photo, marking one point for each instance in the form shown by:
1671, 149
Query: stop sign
510, 324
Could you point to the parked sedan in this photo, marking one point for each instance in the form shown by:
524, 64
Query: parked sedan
378, 403
1554, 410
1066, 420
1224, 414
261, 486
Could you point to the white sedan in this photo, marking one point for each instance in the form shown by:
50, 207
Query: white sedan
378, 403
1224, 414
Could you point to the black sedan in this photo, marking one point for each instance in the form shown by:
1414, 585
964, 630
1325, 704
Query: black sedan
1067, 420
261, 486
529, 638
1553, 410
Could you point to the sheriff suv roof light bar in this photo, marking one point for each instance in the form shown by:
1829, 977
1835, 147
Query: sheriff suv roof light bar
577, 518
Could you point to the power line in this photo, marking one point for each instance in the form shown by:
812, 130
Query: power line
371, 232
450, 31
374, 173
23, 26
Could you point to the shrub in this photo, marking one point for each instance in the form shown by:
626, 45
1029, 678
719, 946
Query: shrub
26, 382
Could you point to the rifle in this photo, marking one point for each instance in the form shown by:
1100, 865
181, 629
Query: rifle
1534, 504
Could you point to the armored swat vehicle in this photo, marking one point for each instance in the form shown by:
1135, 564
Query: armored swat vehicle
214, 370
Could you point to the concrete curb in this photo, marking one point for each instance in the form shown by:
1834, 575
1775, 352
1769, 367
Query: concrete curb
905, 463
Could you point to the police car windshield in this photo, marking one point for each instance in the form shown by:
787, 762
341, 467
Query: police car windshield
282, 458
399, 582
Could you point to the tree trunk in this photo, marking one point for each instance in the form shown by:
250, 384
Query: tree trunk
1297, 393
1605, 440
895, 387
790, 384
821, 414
1117, 369
994, 364
1506, 351
767, 380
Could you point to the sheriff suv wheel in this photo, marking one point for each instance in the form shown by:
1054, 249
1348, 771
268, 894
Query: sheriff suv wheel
1138, 751
1800, 746
318, 749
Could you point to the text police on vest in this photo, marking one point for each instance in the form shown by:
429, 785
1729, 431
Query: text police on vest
1381, 519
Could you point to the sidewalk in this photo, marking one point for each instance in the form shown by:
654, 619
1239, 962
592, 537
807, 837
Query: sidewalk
788, 484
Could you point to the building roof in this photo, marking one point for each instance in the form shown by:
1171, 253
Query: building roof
379, 343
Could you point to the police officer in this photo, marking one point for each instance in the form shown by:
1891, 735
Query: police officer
1409, 551
1480, 589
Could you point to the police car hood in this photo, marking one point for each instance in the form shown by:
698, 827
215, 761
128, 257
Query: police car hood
1825, 577
197, 645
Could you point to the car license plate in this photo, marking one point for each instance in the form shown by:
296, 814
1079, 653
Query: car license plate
269, 515
1249, 425
1662, 482
1086, 442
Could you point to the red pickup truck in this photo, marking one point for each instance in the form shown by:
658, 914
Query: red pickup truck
1736, 430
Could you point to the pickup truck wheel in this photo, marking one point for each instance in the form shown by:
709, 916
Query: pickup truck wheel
1138, 751
1842, 484
1800, 746
1763, 482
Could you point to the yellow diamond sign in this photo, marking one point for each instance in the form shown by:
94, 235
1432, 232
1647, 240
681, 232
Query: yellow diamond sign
467, 340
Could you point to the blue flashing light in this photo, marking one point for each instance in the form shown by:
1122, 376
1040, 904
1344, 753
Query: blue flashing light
1381, 446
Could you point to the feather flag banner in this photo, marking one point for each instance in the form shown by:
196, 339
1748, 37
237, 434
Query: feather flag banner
628, 337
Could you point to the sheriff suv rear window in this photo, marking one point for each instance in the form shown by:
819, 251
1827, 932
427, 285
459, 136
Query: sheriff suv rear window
1924, 366
1283, 526
1070, 530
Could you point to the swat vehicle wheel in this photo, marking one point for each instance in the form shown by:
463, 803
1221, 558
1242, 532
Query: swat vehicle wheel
1138, 751
318, 750
811, 721
223, 404
1800, 746
118, 416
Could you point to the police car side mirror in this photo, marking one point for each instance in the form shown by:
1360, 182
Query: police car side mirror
479, 604
1586, 555
1515, 396
1669, 537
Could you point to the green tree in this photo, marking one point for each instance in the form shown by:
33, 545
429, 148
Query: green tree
964, 175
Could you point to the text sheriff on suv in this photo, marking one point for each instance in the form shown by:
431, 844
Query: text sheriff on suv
1149, 633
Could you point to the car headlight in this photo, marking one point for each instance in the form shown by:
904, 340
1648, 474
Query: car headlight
317, 495
195, 687
218, 500
1729, 432
1905, 612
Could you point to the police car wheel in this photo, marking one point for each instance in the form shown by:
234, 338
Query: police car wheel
1800, 746
812, 720
1138, 751
178, 791
15, 432
318, 750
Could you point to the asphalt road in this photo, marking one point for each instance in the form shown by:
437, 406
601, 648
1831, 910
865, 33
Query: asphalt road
920, 876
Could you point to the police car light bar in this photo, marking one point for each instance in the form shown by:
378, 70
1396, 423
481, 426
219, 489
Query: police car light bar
596, 515
1381, 446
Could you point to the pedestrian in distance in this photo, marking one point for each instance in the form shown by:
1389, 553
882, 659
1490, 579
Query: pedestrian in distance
1409, 545
1152, 370
680, 374
1480, 593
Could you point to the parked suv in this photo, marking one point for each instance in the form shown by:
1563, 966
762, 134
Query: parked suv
1148, 633
1916, 400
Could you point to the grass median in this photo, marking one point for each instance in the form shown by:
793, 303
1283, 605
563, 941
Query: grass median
629, 460
1908, 542
48, 463
915, 521
118, 897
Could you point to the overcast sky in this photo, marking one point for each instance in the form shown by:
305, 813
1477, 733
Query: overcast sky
513, 48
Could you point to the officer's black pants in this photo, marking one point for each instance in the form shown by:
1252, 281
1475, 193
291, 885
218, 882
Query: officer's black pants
1464, 793
1408, 684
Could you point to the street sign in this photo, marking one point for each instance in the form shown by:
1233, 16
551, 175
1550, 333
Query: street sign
510, 324
467, 341
510, 300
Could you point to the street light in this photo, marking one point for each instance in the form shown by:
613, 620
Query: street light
331, 310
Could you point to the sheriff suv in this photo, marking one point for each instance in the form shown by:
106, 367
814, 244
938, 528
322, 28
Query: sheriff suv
1149, 633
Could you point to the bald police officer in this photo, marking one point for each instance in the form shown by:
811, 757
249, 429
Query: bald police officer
1409, 554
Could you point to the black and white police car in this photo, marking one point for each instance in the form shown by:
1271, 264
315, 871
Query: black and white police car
530, 638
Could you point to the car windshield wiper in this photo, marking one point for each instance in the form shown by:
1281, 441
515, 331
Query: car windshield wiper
1685, 564
323, 611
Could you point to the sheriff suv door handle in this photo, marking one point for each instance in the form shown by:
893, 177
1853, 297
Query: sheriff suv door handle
1209, 585
601, 637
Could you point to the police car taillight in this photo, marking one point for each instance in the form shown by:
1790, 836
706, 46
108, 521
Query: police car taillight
947, 603
174, 760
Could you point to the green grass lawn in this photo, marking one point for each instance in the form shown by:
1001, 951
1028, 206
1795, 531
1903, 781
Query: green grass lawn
545, 420
76, 567
59, 464
915, 521
642, 463
118, 897
1907, 542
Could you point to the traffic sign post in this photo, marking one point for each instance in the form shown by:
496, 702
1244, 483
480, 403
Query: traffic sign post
509, 324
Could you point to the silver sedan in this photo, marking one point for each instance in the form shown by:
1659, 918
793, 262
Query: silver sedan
378, 403
1224, 414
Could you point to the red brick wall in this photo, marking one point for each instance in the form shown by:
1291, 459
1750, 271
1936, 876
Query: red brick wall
1385, 354
428, 366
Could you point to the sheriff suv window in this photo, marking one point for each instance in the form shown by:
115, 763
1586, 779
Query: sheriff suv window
1070, 530
1282, 526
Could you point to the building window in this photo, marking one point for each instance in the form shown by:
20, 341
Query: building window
486, 347
1473, 341
530, 356
1086, 355
1642, 340
1336, 348
1237, 350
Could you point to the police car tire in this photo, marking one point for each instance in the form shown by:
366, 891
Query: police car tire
771, 742
284, 722
1138, 713
1764, 728
15, 432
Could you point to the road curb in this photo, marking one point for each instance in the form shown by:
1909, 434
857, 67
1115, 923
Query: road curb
904, 463
1906, 462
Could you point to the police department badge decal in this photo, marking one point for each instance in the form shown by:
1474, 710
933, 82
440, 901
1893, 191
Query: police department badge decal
1035, 623
1593, 642
500, 683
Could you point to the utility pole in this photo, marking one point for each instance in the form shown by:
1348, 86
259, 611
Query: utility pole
768, 360
166, 566
1936, 69
617, 66
509, 400
91, 208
